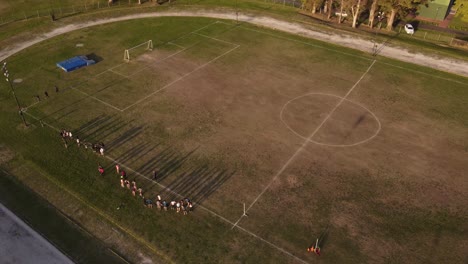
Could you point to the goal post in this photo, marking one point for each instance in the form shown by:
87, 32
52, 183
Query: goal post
147, 45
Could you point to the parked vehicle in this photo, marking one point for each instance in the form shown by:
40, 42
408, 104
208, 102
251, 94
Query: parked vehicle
344, 14
409, 29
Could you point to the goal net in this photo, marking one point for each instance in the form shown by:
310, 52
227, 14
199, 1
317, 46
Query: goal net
138, 50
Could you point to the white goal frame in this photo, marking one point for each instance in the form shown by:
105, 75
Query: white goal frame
149, 46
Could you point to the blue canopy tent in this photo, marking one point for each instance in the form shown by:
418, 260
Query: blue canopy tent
75, 63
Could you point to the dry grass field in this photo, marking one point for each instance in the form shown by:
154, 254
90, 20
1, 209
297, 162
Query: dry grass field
365, 153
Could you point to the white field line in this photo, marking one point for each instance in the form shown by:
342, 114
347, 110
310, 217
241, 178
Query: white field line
349, 54
118, 73
302, 42
31, 105
99, 100
180, 78
216, 39
423, 73
305, 143
198, 205
170, 42
76, 87
146, 66
177, 45
379, 125
207, 210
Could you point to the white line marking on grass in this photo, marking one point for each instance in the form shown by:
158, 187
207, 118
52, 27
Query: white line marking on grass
180, 78
31, 105
216, 39
353, 55
307, 43
177, 45
173, 192
379, 125
155, 61
99, 100
118, 73
204, 27
207, 210
424, 73
305, 143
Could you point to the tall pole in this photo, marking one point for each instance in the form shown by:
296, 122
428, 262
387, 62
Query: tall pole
7, 76
237, 13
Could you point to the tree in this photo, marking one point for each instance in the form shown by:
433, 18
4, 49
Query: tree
372, 12
328, 8
356, 10
341, 12
400, 7
314, 6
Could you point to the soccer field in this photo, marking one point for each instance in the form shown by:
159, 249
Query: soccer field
317, 141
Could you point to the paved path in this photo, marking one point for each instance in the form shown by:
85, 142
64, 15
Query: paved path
20, 244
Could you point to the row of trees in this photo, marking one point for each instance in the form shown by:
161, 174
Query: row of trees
371, 9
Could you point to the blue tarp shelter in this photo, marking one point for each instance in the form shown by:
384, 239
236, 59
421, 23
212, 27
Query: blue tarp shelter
75, 63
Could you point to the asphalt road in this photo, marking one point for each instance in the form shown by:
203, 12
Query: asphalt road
20, 244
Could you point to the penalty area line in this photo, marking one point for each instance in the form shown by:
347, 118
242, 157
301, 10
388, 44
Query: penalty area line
180, 78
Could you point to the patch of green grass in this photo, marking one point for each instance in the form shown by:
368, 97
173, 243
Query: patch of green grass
461, 17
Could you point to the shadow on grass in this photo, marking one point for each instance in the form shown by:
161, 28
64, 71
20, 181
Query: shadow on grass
201, 182
103, 127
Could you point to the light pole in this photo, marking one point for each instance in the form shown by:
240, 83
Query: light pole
7, 78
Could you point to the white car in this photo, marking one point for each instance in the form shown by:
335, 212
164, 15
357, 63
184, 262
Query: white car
409, 29
344, 14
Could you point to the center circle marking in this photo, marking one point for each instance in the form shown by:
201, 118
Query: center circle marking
379, 126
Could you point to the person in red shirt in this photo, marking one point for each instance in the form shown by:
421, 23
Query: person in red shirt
101, 170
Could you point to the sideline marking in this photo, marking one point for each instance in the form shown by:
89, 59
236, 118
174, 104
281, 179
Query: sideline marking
216, 39
353, 55
171, 191
308, 44
325, 144
305, 143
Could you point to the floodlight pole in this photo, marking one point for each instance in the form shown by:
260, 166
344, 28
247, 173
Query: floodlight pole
7, 78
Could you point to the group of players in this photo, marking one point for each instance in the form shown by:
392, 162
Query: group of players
67, 135
185, 205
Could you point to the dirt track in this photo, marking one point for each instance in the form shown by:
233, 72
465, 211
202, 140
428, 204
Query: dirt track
455, 66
